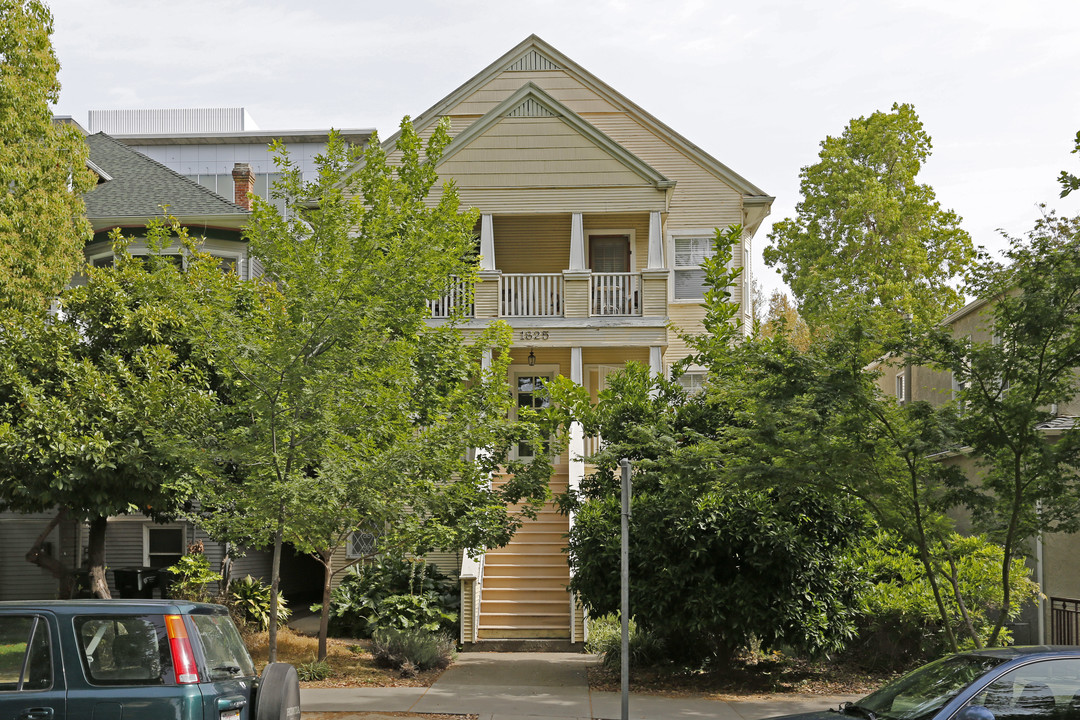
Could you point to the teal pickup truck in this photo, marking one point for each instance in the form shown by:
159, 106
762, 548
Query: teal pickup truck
134, 659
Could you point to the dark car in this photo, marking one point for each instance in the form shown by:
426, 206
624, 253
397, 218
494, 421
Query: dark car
1015, 683
106, 659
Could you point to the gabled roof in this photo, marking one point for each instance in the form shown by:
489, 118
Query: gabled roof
531, 101
533, 53
134, 186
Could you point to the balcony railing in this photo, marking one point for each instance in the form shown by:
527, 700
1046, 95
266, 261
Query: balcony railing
616, 293
531, 295
459, 294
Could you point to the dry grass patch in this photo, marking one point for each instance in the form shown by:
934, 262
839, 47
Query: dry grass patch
350, 661
772, 675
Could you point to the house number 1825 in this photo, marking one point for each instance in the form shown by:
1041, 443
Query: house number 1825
533, 335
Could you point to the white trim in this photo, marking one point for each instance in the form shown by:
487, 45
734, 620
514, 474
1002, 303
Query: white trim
900, 386
628, 232
147, 527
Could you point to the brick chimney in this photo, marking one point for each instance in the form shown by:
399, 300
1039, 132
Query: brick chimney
243, 184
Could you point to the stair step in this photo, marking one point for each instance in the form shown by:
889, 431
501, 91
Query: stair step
518, 633
520, 608
534, 621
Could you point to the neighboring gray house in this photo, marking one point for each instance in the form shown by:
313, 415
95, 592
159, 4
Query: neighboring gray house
131, 189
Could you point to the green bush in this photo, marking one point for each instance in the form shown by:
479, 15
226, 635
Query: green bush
191, 575
314, 670
249, 600
605, 639
901, 624
395, 593
411, 649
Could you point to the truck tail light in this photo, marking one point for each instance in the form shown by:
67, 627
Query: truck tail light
183, 657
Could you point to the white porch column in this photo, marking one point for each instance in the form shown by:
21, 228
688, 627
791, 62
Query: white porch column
577, 433
577, 243
656, 365
487, 243
656, 243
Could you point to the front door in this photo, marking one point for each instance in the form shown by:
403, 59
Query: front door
609, 253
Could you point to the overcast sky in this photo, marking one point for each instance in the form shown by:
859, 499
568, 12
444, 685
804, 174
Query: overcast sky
758, 85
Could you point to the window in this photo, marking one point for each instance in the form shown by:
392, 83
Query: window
227, 261
529, 392
901, 386
225, 653
124, 649
1045, 689
362, 543
163, 546
688, 276
25, 660
692, 381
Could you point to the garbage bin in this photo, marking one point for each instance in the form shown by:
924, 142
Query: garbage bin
136, 582
165, 579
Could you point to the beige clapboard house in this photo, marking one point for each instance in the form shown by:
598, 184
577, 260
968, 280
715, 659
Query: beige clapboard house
595, 217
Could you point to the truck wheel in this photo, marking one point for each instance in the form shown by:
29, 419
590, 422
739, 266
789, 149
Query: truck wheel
279, 693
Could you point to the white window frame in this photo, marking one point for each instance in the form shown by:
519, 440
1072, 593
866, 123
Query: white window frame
140, 250
147, 527
691, 370
514, 372
901, 386
680, 233
630, 233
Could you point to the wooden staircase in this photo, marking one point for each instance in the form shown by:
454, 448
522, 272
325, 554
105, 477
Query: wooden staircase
524, 594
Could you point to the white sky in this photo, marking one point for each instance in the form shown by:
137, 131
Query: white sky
756, 84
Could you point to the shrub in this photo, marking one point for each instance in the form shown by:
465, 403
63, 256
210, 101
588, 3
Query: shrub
393, 592
191, 574
314, 670
250, 601
605, 639
901, 624
411, 649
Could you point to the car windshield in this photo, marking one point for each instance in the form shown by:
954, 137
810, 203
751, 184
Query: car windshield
923, 692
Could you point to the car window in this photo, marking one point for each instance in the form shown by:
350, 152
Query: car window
1045, 689
25, 659
124, 649
926, 690
225, 653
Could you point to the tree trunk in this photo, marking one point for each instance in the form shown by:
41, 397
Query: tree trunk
326, 558
98, 584
275, 583
57, 569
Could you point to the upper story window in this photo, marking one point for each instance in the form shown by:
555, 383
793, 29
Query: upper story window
227, 261
901, 386
688, 253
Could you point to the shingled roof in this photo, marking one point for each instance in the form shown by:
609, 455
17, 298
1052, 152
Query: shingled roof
138, 187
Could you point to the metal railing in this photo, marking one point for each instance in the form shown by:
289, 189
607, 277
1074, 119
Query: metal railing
616, 293
459, 294
1064, 621
531, 295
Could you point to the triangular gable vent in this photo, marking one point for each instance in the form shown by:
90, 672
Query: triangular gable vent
530, 109
532, 60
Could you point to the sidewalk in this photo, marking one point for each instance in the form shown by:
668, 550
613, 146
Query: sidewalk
543, 686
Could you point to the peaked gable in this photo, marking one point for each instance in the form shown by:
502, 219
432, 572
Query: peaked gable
531, 139
533, 55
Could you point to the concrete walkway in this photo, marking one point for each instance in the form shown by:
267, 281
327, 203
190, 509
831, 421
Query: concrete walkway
542, 686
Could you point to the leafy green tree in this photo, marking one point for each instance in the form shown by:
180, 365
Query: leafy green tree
867, 233
42, 165
1069, 181
902, 621
103, 405
714, 562
353, 411
1011, 385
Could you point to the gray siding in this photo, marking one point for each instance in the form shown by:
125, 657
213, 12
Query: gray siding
20, 580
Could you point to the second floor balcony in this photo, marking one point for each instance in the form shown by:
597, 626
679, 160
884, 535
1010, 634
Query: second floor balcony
571, 293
